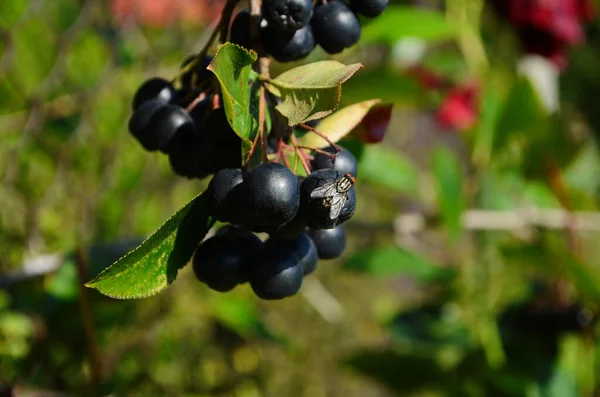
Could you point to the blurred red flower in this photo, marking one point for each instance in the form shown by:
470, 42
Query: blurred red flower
458, 110
548, 27
163, 12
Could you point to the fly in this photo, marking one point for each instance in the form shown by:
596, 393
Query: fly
334, 194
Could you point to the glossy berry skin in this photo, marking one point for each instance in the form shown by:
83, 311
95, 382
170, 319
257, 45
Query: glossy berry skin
226, 145
369, 8
287, 16
139, 125
271, 196
344, 161
240, 29
303, 247
288, 47
220, 263
220, 197
168, 121
330, 243
317, 215
276, 273
335, 27
155, 88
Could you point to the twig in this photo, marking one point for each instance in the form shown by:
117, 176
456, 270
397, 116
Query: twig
516, 220
321, 299
85, 309
333, 145
301, 154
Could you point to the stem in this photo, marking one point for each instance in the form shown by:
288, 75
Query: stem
333, 145
261, 122
252, 149
85, 309
196, 101
220, 31
303, 157
330, 155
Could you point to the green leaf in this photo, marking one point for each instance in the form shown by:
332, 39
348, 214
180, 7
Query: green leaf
339, 124
153, 265
399, 22
384, 167
311, 91
449, 179
233, 67
394, 261
10, 11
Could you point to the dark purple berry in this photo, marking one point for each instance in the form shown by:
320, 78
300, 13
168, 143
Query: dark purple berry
330, 243
276, 273
221, 198
288, 47
287, 16
155, 88
343, 161
335, 27
220, 263
369, 8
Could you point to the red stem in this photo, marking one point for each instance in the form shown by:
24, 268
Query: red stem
303, 157
333, 145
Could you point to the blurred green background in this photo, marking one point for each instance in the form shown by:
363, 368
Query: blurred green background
472, 266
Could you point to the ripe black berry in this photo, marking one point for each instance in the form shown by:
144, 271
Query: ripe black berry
155, 88
288, 47
168, 121
318, 210
335, 27
303, 247
287, 15
369, 8
220, 263
219, 192
330, 243
271, 196
276, 273
344, 161
240, 29
139, 124
222, 138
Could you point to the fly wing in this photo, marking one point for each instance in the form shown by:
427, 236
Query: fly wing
336, 205
324, 191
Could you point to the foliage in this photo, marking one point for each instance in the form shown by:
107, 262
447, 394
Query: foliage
453, 306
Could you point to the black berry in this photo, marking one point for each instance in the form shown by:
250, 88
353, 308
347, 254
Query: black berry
330, 243
240, 29
316, 210
369, 8
219, 192
139, 124
335, 27
343, 161
303, 247
276, 273
155, 88
226, 143
287, 15
288, 47
271, 196
168, 121
220, 263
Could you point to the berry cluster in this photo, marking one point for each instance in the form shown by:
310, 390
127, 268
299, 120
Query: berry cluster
548, 28
186, 123
303, 217
291, 29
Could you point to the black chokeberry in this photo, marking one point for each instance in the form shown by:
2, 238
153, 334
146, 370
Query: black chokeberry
318, 210
303, 247
335, 27
288, 47
276, 273
187, 155
221, 199
342, 161
330, 243
271, 196
155, 88
140, 128
168, 121
222, 138
220, 262
369, 8
287, 15
240, 29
